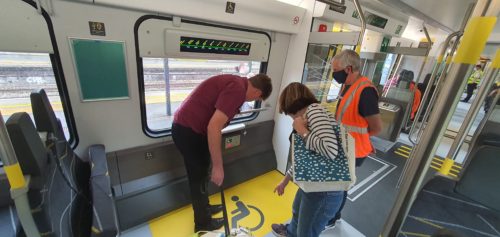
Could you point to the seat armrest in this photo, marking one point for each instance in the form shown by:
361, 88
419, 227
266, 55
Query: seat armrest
490, 142
104, 221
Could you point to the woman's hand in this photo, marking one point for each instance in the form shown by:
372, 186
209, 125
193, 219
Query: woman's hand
280, 188
300, 124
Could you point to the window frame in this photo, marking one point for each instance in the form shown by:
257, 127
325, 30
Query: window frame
60, 79
140, 74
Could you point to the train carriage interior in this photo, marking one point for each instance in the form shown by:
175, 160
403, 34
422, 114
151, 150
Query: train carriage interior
89, 90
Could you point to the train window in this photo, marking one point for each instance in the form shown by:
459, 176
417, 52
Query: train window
386, 70
317, 73
168, 81
20, 74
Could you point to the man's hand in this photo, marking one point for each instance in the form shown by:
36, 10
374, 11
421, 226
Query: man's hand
217, 175
214, 136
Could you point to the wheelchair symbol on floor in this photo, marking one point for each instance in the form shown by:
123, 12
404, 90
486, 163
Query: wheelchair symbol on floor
243, 211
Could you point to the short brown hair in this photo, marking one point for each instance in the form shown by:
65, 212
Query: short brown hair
263, 83
295, 97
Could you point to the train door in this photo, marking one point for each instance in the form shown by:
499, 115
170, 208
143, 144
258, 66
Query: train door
321, 49
318, 73
446, 204
373, 65
398, 83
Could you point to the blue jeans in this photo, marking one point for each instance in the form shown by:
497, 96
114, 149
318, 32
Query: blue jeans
312, 211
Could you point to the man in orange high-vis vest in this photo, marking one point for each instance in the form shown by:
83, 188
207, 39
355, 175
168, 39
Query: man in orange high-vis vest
417, 97
357, 108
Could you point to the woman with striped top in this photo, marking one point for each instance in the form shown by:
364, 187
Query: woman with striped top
314, 124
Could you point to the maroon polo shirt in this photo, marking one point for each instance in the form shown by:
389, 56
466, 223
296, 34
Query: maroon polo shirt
223, 92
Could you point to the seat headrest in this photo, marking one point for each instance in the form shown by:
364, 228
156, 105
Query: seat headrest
30, 151
45, 118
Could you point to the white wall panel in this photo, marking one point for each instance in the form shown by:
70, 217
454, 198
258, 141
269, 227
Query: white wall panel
117, 124
275, 70
294, 66
160, 38
23, 29
261, 14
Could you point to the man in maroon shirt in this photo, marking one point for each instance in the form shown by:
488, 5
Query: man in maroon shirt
196, 132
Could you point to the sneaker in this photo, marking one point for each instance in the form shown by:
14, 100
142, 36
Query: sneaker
332, 224
279, 230
215, 224
214, 209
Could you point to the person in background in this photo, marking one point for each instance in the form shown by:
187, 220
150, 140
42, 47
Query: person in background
314, 124
404, 78
196, 132
357, 108
489, 99
423, 85
416, 99
473, 81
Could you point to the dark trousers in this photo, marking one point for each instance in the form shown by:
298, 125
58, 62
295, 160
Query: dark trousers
470, 91
359, 162
194, 149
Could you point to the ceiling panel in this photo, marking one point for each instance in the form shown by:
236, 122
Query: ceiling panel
443, 14
447, 12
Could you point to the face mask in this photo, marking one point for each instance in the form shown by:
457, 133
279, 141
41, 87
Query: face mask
340, 76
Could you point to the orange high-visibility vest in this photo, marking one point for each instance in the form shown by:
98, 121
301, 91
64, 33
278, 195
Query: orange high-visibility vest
348, 115
416, 100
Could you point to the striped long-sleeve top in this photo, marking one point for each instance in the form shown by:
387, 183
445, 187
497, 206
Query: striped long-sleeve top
321, 138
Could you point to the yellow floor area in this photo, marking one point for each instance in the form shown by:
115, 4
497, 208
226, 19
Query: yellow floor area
243, 204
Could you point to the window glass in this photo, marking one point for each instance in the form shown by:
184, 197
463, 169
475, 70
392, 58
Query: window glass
168, 82
317, 75
386, 69
22, 73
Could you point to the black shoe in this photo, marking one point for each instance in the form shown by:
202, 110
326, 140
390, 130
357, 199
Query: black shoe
215, 224
214, 209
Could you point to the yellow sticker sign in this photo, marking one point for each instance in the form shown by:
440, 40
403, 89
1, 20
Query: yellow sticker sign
15, 176
496, 60
474, 40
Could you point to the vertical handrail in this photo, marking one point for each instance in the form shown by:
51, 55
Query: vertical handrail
430, 83
18, 184
441, 59
444, 73
427, 53
397, 63
473, 43
410, 102
7, 154
469, 119
363, 25
483, 122
166, 76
